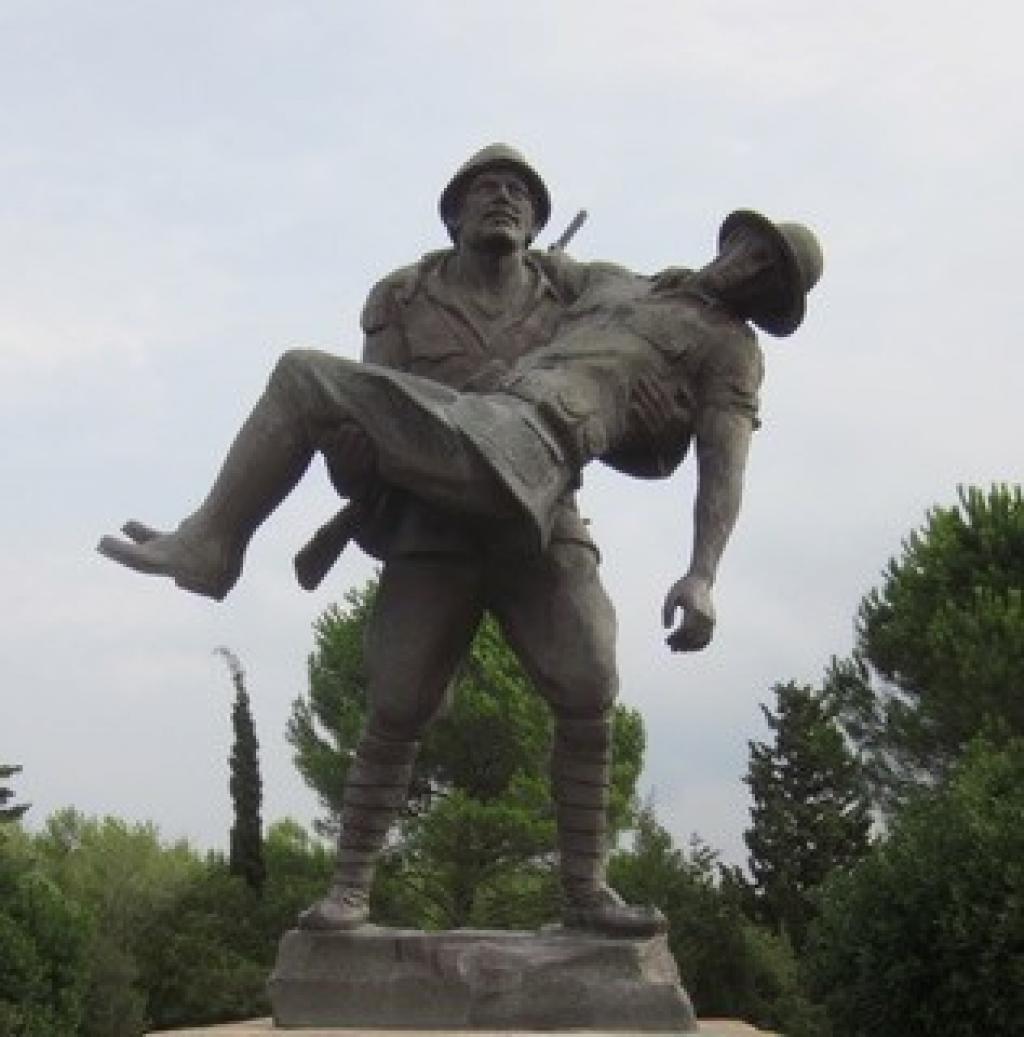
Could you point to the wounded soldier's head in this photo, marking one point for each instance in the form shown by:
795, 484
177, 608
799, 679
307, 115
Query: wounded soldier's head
764, 270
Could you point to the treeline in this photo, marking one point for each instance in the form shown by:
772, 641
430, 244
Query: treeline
107, 932
884, 893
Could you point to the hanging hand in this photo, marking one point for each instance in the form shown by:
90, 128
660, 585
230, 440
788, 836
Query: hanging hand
692, 594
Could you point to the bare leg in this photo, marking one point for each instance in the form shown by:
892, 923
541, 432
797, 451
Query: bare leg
204, 554
422, 434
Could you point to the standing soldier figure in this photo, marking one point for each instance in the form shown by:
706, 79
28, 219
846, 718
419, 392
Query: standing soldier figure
462, 317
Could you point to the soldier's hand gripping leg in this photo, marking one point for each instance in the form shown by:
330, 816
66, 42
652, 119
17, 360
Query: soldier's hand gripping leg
375, 791
581, 778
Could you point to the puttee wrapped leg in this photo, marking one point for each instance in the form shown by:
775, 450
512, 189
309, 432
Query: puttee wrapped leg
375, 792
581, 779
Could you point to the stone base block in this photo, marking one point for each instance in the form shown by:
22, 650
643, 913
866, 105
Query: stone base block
473, 979
266, 1028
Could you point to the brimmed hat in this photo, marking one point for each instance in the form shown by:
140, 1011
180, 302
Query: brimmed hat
495, 156
802, 264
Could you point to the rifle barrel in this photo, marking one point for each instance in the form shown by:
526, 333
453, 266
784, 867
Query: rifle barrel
570, 232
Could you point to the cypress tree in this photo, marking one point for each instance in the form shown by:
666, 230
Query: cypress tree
245, 857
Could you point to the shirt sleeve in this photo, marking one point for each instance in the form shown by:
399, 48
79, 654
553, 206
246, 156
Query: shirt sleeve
732, 376
383, 341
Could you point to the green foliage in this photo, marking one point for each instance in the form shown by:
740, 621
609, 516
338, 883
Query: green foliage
939, 655
476, 844
44, 940
158, 936
15, 812
729, 965
203, 958
810, 812
204, 954
324, 725
246, 785
926, 935
120, 875
471, 860
298, 871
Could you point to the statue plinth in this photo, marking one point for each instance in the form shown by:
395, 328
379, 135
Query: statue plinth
469, 979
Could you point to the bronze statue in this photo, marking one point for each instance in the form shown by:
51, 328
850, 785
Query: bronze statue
492, 375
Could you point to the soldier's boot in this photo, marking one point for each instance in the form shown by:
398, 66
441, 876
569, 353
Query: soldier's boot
204, 554
581, 778
375, 791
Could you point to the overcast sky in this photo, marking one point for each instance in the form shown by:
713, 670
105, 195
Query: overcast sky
188, 188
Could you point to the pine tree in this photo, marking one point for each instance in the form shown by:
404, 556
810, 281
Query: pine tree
925, 934
939, 654
9, 813
810, 812
246, 847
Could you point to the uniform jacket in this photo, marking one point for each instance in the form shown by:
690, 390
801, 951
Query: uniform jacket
414, 322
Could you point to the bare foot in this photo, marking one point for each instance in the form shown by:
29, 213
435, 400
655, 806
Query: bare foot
194, 563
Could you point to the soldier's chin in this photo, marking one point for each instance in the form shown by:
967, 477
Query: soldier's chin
503, 239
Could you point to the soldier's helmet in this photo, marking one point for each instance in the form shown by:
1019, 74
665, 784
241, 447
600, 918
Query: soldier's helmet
495, 156
801, 264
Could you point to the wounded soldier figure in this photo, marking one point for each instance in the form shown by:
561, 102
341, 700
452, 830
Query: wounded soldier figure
508, 454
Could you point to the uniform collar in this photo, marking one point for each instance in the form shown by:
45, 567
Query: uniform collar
440, 291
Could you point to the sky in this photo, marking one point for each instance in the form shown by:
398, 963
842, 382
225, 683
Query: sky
187, 189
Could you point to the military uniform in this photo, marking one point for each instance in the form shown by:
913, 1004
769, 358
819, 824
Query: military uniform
414, 322
551, 606
569, 397
441, 572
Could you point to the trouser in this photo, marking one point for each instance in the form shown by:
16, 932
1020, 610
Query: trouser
557, 618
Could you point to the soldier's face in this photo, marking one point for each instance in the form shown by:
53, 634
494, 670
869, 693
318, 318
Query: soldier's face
497, 212
747, 274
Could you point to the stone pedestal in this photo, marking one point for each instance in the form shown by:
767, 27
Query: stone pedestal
472, 979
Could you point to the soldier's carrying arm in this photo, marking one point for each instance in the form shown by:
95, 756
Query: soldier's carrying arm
382, 345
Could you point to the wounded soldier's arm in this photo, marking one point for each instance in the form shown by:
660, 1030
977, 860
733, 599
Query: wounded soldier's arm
723, 441
723, 427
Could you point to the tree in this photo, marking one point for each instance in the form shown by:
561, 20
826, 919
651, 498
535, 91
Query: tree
246, 840
44, 939
810, 812
9, 813
476, 844
204, 957
729, 965
939, 654
107, 932
119, 875
298, 871
205, 954
925, 936
324, 725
